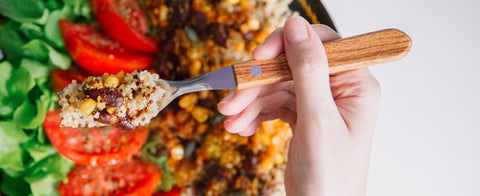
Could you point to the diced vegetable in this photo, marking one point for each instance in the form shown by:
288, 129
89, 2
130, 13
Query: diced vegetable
93, 52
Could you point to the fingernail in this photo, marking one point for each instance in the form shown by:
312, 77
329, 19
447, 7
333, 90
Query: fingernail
296, 30
227, 98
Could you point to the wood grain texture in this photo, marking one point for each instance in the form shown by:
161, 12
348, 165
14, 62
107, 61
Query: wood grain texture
344, 54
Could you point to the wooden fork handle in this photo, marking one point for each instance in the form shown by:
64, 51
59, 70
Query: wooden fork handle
344, 54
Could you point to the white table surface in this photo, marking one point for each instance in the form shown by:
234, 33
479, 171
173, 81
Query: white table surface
427, 139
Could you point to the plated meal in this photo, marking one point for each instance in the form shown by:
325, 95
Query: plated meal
101, 61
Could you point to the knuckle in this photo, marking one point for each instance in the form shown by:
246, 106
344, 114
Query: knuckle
308, 62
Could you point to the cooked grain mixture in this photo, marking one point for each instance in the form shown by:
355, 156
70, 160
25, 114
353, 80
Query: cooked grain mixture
196, 37
122, 100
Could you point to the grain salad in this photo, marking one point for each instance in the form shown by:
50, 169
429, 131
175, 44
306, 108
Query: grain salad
200, 36
122, 100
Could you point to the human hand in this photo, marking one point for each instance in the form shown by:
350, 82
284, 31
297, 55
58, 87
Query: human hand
332, 116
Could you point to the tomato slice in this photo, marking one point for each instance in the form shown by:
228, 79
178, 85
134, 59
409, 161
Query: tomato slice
62, 78
132, 178
174, 192
93, 146
93, 52
124, 22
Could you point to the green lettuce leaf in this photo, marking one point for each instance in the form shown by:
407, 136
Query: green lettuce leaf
11, 43
31, 30
52, 31
45, 175
8, 103
6, 107
35, 68
5, 73
45, 186
22, 10
80, 8
58, 59
11, 154
30, 116
14, 186
38, 151
53, 4
41, 50
36, 49
168, 181
20, 82
55, 165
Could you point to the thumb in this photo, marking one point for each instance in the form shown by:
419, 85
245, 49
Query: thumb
308, 62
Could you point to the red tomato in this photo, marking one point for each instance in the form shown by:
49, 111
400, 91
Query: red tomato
93, 52
174, 192
62, 78
124, 22
134, 178
93, 146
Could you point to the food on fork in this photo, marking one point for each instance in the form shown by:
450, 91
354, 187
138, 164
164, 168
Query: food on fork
122, 100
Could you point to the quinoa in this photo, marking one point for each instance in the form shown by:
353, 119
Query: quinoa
132, 102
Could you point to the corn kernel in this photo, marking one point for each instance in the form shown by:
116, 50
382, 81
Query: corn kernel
214, 151
177, 152
246, 4
105, 76
162, 17
244, 28
193, 53
120, 75
230, 158
253, 23
94, 83
188, 100
240, 46
110, 109
111, 82
182, 116
278, 158
203, 94
201, 114
88, 106
195, 68
233, 2
266, 164
201, 128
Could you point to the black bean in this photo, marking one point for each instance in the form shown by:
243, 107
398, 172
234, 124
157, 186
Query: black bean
181, 9
167, 46
124, 124
249, 164
104, 118
206, 104
218, 172
160, 67
219, 34
199, 21
111, 96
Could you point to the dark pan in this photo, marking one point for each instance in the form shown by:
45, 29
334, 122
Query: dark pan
313, 11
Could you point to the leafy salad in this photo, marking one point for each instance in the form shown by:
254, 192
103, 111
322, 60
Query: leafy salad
31, 47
